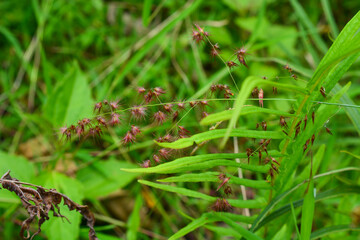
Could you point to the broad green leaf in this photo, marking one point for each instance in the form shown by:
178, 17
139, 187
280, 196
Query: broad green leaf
342, 53
213, 177
19, 168
70, 101
194, 162
246, 88
219, 133
256, 203
307, 215
104, 177
56, 228
227, 114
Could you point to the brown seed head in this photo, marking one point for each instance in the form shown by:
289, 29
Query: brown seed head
128, 138
159, 117
98, 106
141, 90
115, 119
231, 64
135, 130
146, 164
101, 121
159, 91
138, 112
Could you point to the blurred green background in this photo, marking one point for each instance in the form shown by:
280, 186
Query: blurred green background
60, 57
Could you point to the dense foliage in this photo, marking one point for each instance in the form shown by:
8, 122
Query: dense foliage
169, 119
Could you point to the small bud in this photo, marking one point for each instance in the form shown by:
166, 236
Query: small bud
221, 205
249, 152
114, 105
197, 36
181, 106
128, 138
101, 121
255, 92
305, 121
149, 96
261, 97
79, 131
98, 106
231, 64
228, 190
264, 125
275, 90
156, 158
328, 130
260, 155
313, 117
175, 116
138, 112
240, 54
141, 90
115, 119
146, 164
159, 117
165, 153
183, 132
168, 108
204, 103
135, 130
159, 91
322, 91
312, 139
223, 182
283, 122
204, 114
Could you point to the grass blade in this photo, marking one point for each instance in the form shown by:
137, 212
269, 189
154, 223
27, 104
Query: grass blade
302, 16
333, 229
218, 159
213, 177
308, 212
219, 133
227, 114
256, 203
